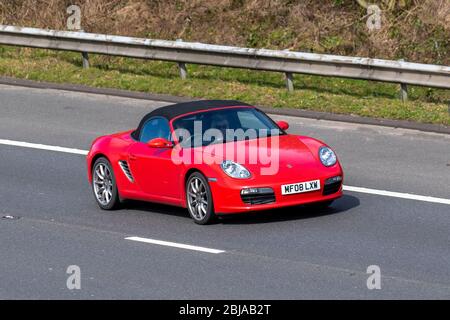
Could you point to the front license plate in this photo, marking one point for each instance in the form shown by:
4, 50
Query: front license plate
300, 187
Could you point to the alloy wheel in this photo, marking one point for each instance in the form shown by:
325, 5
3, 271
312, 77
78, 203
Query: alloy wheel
197, 198
103, 183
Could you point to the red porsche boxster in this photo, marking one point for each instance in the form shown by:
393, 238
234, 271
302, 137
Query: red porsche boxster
213, 157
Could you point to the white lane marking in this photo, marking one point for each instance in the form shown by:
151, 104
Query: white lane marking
175, 245
385, 193
42, 147
397, 195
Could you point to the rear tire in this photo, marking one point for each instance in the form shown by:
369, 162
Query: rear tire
199, 200
104, 185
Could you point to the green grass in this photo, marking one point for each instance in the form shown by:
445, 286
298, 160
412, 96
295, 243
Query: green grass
345, 96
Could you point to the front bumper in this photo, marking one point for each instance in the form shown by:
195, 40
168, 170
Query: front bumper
228, 199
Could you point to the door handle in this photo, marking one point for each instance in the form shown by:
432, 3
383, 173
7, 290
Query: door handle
132, 157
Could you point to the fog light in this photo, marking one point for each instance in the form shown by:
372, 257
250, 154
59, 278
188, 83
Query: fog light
333, 180
249, 191
256, 191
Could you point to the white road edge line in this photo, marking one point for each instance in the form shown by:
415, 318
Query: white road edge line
42, 147
397, 195
175, 245
385, 193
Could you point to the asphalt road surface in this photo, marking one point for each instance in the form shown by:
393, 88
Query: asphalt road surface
291, 253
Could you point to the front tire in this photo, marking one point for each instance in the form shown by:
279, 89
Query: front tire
199, 199
104, 185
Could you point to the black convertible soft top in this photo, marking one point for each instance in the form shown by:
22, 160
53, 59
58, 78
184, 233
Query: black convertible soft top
174, 110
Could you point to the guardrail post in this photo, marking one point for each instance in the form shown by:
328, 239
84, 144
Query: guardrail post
183, 70
85, 57
289, 81
403, 92
403, 89
182, 66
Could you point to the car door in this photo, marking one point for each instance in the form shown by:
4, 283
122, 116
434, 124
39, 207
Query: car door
155, 173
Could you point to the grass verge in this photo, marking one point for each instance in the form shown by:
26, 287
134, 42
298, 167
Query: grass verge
344, 96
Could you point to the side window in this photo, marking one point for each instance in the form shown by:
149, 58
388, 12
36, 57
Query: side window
155, 128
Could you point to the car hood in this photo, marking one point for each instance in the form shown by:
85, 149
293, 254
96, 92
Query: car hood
285, 157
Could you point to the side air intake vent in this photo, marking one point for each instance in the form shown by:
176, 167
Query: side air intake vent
126, 169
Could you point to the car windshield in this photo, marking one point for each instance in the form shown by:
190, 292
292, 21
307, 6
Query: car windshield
225, 125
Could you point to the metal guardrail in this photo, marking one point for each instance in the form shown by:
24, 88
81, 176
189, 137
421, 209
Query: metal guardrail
288, 62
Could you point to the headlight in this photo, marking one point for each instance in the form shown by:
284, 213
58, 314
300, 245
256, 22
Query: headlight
327, 156
235, 170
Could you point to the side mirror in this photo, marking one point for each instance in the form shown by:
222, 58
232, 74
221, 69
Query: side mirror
160, 143
283, 125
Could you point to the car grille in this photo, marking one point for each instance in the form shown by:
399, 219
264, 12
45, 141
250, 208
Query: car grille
331, 188
261, 198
